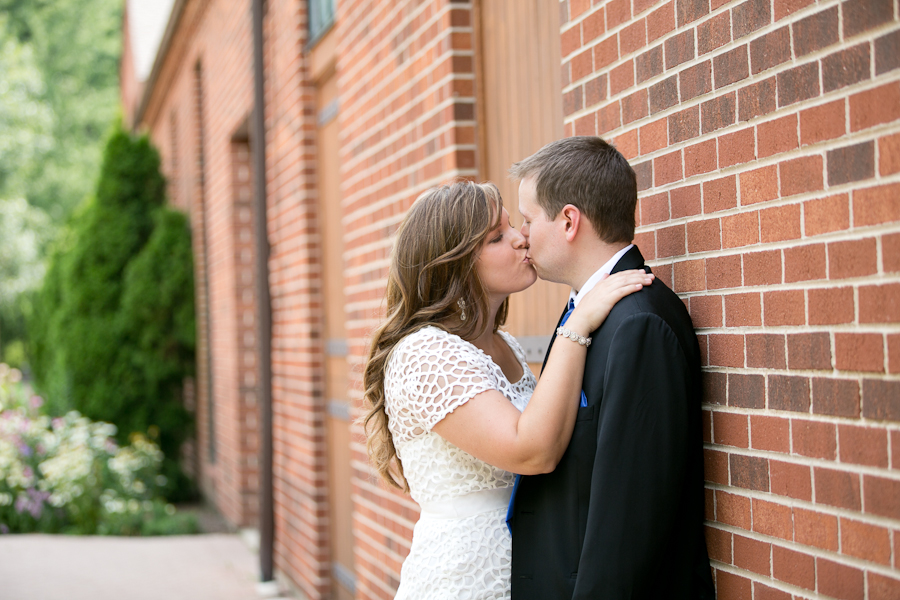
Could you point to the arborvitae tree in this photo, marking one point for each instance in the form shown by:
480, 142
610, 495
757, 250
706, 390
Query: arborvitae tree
112, 330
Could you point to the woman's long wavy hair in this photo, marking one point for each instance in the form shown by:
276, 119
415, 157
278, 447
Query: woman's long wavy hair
432, 268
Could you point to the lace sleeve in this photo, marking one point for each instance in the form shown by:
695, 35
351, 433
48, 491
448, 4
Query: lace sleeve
433, 373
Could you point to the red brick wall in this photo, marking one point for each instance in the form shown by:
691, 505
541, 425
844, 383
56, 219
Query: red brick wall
406, 80
766, 136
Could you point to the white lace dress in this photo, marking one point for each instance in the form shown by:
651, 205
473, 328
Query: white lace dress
461, 547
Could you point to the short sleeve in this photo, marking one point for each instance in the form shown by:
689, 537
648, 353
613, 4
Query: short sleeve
432, 373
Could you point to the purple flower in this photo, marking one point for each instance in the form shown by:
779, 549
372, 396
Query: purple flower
25, 450
33, 502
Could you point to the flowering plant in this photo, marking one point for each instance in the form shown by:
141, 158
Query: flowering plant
66, 474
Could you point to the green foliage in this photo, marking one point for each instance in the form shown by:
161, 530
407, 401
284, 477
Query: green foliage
112, 330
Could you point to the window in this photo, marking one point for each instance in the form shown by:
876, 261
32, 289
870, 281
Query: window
321, 17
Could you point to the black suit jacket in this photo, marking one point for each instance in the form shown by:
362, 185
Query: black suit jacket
621, 516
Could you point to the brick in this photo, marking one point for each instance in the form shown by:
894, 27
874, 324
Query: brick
837, 488
695, 81
740, 230
685, 202
876, 205
587, 125
718, 112
749, 472
621, 78
770, 433
890, 252
799, 83
752, 555
726, 350
779, 135
730, 429
718, 543
846, 67
573, 101
879, 303
653, 136
704, 235
887, 52
876, 106
889, 154
570, 41
691, 10
749, 16
723, 272
881, 587
893, 344
772, 519
821, 123
731, 67
714, 33
732, 509
714, 391
837, 397
813, 439
593, 26
804, 263
862, 15
627, 144
649, 64
881, 400
780, 223
816, 31
809, 351
784, 307
831, 306
865, 541
634, 106
654, 209
609, 118
715, 466
719, 194
633, 37
759, 185
788, 393
790, 480
863, 445
706, 311
851, 163
582, 64
579, 7
733, 587
837, 580
756, 99
825, 215
738, 148
707, 419
670, 241
679, 49
801, 175
690, 276
764, 592
787, 7
746, 391
661, 21
815, 529
684, 125
664, 94
700, 158
765, 350
853, 258
606, 52
762, 268
859, 352
770, 50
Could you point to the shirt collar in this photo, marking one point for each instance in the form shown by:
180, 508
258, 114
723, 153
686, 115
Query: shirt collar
594, 279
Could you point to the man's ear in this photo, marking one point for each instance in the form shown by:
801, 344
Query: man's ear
571, 221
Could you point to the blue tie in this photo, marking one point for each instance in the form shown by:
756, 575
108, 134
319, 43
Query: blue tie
512, 497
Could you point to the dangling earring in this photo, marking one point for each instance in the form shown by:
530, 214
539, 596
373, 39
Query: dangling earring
462, 309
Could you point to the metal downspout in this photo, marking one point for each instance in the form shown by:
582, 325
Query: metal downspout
264, 307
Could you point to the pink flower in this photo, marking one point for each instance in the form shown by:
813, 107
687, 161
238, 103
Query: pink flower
36, 402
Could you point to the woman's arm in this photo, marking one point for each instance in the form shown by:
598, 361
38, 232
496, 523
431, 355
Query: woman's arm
490, 428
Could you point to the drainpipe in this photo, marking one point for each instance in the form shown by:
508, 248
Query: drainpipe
263, 307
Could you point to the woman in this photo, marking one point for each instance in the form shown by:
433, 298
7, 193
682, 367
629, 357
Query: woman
454, 407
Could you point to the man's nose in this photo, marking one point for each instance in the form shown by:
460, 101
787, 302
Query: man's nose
521, 240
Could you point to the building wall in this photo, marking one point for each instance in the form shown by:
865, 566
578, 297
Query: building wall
766, 139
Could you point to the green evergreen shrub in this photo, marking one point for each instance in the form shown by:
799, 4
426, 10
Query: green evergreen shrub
112, 329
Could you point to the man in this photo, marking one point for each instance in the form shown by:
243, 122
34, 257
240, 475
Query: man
621, 516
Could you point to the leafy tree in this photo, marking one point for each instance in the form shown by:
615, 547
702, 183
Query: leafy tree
112, 329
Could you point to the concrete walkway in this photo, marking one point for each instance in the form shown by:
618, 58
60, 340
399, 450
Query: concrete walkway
196, 567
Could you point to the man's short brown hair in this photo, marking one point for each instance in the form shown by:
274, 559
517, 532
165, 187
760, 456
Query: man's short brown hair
590, 174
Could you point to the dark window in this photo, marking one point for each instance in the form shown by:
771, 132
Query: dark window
321, 18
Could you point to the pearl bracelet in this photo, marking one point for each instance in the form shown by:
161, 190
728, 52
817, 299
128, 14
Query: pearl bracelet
584, 341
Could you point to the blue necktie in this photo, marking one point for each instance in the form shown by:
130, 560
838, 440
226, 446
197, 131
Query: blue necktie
512, 497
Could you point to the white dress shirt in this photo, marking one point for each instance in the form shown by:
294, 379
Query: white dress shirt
594, 279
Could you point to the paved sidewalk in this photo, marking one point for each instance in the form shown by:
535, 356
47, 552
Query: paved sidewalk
196, 567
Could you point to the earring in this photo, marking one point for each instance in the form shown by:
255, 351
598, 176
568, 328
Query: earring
462, 309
